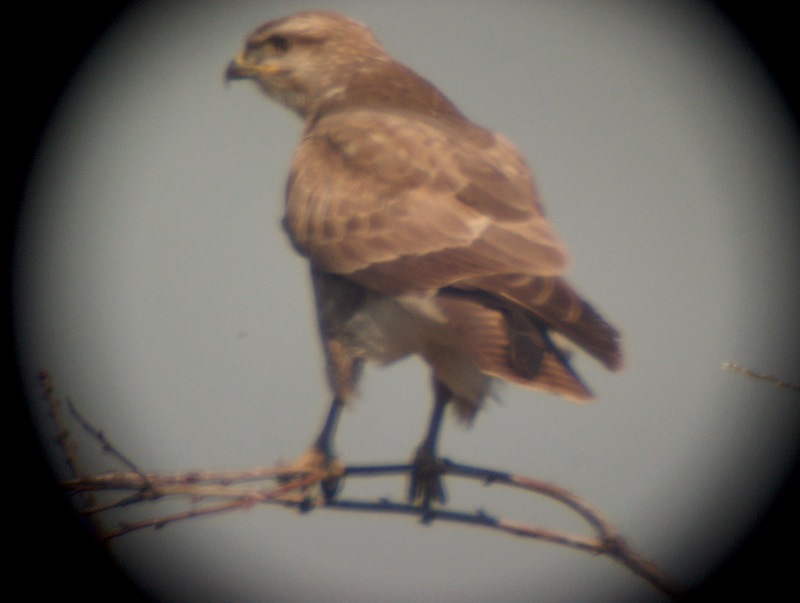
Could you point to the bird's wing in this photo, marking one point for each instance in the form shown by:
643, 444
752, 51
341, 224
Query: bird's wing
400, 204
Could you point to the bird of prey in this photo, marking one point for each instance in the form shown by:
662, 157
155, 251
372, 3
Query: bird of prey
424, 233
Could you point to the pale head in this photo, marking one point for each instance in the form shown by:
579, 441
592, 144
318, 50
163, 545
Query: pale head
307, 58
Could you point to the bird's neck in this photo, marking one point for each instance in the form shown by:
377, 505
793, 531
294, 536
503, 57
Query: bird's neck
389, 86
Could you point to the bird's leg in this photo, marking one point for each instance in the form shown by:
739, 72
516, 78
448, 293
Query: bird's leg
426, 485
319, 457
337, 300
324, 445
324, 441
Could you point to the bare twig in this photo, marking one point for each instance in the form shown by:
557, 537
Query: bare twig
62, 439
101, 438
202, 487
776, 381
217, 492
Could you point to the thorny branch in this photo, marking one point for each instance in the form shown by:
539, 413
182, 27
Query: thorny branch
215, 492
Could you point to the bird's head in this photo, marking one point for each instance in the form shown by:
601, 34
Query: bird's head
306, 59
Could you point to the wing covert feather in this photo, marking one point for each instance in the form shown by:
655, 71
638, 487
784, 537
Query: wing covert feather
399, 203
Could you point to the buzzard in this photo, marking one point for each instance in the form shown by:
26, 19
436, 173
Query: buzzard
424, 233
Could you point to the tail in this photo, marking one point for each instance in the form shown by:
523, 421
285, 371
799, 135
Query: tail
509, 342
561, 310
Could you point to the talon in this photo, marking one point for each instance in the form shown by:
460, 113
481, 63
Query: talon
425, 485
330, 485
315, 461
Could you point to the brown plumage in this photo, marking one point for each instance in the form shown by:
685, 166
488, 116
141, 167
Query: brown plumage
423, 230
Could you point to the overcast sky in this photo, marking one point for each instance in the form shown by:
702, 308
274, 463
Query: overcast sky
156, 285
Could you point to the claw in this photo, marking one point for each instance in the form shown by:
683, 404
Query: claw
425, 486
315, 461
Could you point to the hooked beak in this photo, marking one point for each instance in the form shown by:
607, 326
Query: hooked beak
238, 69
241, 69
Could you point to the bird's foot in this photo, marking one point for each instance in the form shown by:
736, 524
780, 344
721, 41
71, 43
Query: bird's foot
318, 463
426, 486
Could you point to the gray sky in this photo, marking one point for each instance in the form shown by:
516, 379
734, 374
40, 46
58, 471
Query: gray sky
158, 288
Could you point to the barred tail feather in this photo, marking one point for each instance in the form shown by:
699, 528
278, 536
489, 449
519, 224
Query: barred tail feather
560, 308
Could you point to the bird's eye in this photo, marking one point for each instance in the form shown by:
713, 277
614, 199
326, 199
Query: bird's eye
279, 45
